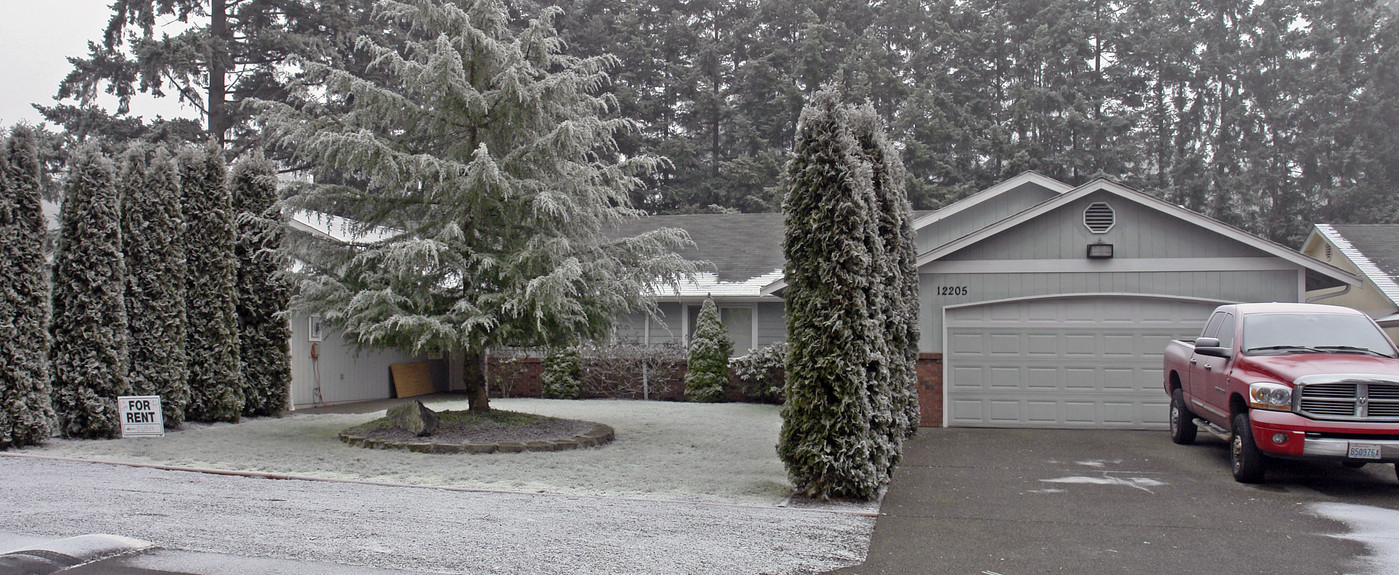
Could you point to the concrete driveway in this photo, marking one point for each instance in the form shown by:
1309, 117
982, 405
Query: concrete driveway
1013, 502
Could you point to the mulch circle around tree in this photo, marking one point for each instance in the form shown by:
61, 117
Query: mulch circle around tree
497, 432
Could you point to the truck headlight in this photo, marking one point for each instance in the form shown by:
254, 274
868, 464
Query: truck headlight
1267, 395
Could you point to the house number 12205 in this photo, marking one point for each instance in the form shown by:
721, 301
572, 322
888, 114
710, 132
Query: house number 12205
952, 290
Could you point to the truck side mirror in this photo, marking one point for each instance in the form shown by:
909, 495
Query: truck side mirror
1210, 346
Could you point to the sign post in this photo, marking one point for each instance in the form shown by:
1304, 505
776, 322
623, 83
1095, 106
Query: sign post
140, 416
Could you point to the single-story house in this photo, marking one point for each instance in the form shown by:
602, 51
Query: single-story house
1370, 251
1042, 304
1049, 305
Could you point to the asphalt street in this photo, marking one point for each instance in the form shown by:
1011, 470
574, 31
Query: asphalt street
358, 528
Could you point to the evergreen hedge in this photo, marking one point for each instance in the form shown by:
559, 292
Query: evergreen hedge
89, 354
710, 348
263, 292
153, 246
26, 409
215, 372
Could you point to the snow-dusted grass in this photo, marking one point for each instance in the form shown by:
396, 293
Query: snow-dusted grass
693, 452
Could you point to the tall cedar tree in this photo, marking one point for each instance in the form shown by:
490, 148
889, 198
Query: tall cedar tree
710, 348
222, 53
900, 282
826, 440
154, 248
1268, 114
89, 354
485, 157
263, 293
26, 410
215, 371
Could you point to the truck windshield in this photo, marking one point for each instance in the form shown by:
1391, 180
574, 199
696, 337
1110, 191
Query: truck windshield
1333, 333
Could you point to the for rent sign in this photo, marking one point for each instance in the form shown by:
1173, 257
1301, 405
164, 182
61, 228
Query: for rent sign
140, 416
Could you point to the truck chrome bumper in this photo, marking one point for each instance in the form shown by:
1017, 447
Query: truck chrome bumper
1339, 448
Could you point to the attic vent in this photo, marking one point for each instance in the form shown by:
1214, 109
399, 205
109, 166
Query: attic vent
1328, 252
1099, 218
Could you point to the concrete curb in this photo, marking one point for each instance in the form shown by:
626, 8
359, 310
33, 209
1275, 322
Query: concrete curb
68, 553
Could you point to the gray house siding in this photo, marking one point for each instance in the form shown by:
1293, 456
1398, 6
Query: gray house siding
344, 374
1139, 232
981, 215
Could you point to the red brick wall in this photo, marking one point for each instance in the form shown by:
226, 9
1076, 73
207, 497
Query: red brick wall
522, 380
930, 389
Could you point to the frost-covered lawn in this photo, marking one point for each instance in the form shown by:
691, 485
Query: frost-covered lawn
695, 452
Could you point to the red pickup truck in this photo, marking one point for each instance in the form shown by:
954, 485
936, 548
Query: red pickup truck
1299, 381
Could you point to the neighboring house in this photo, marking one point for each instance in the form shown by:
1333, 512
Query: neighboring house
325, 369
1369, 250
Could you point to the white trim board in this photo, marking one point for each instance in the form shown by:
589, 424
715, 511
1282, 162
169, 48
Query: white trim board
1129, 265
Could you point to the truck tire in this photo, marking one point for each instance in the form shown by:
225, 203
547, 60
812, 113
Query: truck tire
1245, 459
1182, 421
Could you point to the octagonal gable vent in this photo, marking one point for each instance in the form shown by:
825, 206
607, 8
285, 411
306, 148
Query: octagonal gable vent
1099, 217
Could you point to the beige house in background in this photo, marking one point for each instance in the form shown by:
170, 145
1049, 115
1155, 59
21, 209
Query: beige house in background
1370, 251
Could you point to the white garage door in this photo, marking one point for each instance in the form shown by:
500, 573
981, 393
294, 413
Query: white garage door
1064, 361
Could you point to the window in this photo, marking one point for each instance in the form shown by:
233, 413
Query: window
738, 321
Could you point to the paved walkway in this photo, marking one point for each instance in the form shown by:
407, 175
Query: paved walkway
372, 405
1010, 502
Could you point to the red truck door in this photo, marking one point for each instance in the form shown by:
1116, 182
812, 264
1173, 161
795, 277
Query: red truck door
1209, 375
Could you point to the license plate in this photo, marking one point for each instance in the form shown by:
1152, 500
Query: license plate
1363, 451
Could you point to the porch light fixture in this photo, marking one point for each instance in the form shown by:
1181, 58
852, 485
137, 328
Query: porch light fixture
1099, 251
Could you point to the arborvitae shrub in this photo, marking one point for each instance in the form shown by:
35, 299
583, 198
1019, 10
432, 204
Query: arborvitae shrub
563, 367
826, 442
215, 378
263, 293
153, 245
710, 348
26, 409
89, 354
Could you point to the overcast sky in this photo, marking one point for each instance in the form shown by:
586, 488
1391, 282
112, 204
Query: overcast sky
36, 37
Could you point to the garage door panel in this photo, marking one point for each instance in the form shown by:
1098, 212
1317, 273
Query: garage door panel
1045, 412
966, 344
1041, 378
1067, 362
968, 378
1004, 344
1080, 345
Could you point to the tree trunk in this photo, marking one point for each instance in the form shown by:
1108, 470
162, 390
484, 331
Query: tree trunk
473, 377
218, 67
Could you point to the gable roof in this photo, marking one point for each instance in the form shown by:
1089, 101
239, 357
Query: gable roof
745, 249
1029, 177
1315, 268
1373, 248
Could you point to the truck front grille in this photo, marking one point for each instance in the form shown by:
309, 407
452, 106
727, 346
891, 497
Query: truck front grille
1358, 400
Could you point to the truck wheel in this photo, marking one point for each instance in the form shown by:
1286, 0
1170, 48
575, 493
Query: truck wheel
1182, 421
1245, 458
